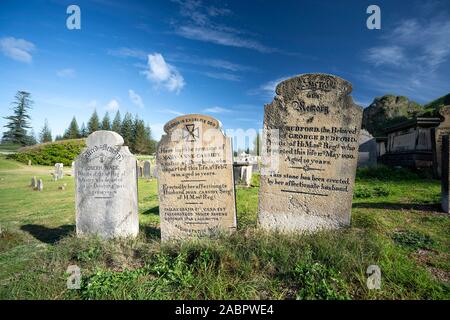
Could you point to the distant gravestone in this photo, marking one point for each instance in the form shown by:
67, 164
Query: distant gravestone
242, 173
59, 172
367, 150
437, 134
195, 179
29, 162
40, 185
147, 171
445, 174
33, 182
106, 187
309, 154
155, 171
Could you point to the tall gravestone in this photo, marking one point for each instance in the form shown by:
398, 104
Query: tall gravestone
445, 173
309, 155
59, 172
147, 169
195, 179
106, 187
437, 134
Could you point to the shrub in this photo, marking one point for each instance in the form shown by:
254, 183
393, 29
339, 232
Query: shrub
255, 180
48, 154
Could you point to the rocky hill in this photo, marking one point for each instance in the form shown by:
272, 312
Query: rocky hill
388, 110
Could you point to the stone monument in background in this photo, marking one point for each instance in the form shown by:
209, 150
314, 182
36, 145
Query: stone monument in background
195, 179
436, 139
309, 154
445, 173
106, 187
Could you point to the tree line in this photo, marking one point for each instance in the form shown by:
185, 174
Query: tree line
136, 134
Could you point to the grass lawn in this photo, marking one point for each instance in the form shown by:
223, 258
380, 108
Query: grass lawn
396, 224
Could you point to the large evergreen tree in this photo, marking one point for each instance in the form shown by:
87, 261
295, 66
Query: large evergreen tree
140, 142
106, 123
117, 123
73, 132
18, 123
83, 131
127, 130
93, 124
46, 134
152, 142
31, 138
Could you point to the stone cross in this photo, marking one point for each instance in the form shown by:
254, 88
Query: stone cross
195, 179
106, 187
309, 154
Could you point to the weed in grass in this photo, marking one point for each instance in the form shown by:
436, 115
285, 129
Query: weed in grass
413, 239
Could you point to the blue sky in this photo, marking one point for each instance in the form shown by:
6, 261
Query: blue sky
161, 59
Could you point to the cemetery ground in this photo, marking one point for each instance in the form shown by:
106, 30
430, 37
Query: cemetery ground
396, 224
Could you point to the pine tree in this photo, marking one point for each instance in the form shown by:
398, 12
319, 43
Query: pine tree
140, 139
83, 131
93, 124
116, 124
257, 144
31, 138
106, 123
151, 141
58, 137
46, 134
18, 123
127, 130
73, 132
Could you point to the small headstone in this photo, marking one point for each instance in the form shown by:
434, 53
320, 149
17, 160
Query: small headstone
29, 162
59, 172
437, 133
106, 187
309, 154
33, 182
155, 172
445, 174
195, 179
73, 168
40, 185
147, 171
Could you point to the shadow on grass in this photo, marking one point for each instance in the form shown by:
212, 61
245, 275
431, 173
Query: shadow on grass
154, 210
151, 232
399, 206
48, 235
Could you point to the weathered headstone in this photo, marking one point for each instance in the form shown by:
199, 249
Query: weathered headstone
242, 173
147, 171
29, 162
155, 172
40, 185
437, 133
309, 154
367, 149
195, 178
445, 173
33, 182
106, 187
59, 172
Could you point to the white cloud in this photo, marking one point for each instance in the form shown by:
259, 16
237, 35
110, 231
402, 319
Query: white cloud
66, 73
222, 76
386, 55
135, 98
112, 105
267, 90
17, 49
162, 73
171, 111
216, 110
200, 26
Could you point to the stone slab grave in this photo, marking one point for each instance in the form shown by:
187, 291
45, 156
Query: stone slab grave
195, 179
147, 169
40, 185
242, 173
445, 173
33, 182
309, 154
436, 139
106, 187
59, 172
